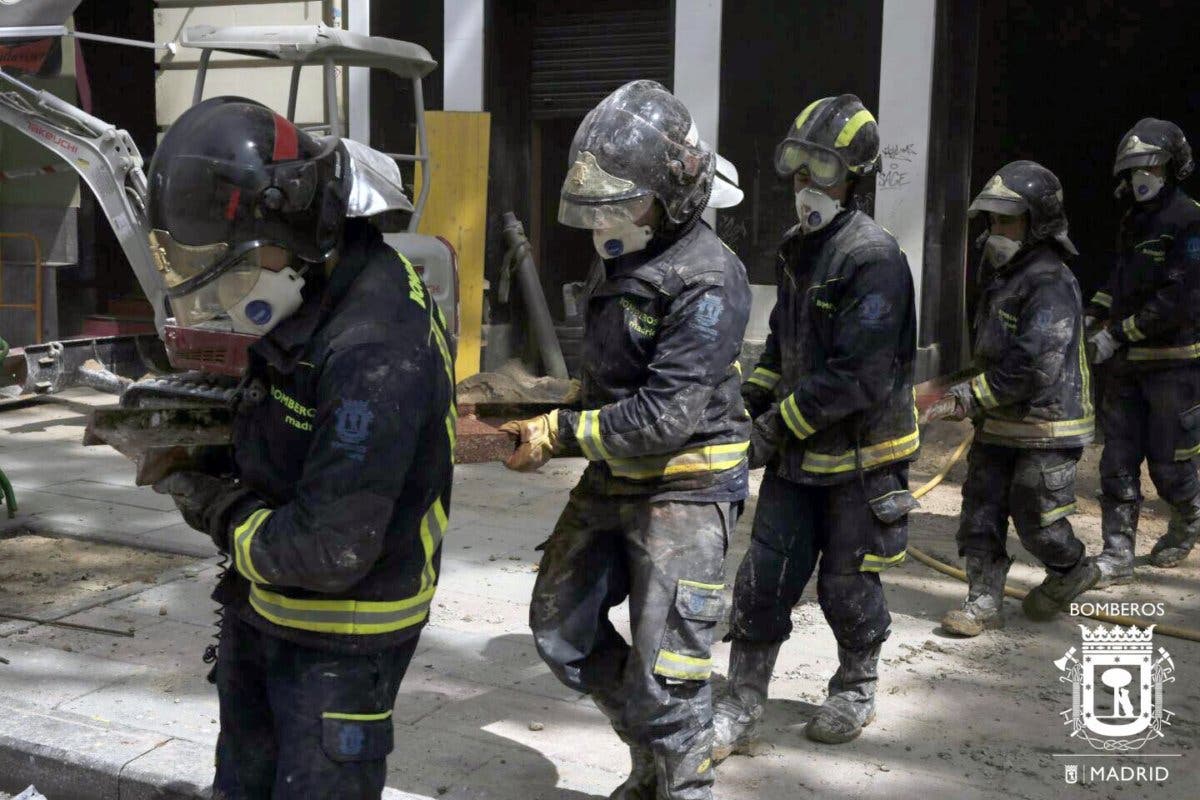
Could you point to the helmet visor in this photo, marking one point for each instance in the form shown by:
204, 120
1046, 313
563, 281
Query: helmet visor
1135, 160
214, 298
596, 216
825, 167
1005, 206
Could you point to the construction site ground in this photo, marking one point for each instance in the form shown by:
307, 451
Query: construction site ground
126, 712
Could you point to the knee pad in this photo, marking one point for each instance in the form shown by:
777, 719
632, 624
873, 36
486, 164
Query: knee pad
855, 608
1176, 481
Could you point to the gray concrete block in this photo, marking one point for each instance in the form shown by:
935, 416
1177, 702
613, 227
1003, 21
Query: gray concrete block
136, 496
177, 770
45, 677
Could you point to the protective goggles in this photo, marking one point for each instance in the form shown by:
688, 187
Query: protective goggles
598, 216
824, 166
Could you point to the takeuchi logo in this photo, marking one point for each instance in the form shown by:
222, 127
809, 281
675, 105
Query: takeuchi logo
1117, 688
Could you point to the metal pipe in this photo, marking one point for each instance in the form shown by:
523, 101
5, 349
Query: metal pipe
540, 321
293, 93
422, 156
201, 74
331, 101
98, 37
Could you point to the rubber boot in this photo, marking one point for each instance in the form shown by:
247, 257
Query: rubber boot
688, 773
642, 783
1059, 588
983, 607
851, 703
1118, 525
1183, 529
737, 713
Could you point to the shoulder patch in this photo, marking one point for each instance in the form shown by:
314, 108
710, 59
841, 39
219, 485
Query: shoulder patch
353, 427
874, 310
707, 316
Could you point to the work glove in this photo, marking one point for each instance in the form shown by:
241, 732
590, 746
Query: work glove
958, 403
756, 399
1102, 346
537, 438
208, 504
765, 435
574, 393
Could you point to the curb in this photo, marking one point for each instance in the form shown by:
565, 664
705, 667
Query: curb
69, 757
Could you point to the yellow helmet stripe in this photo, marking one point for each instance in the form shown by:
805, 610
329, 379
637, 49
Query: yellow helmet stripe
851, 127
800, 120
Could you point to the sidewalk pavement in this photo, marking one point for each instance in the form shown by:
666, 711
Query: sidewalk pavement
87, 715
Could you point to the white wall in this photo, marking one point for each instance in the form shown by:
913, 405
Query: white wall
698, 66
462, 63
905, 84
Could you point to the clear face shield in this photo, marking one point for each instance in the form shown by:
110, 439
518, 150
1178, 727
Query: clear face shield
255, 290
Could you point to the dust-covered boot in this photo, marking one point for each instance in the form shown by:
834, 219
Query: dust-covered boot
983, 607
737, 713
1182, 531
1118, 525
1059, 588
642, 783
686, 772
851, 703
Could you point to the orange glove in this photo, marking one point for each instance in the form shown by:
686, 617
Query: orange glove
538, 437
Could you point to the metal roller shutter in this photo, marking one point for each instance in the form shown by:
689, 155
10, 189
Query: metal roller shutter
578, 58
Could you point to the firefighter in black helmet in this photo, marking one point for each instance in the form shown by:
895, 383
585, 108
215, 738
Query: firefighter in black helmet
663, 428
835, 424
1030, 400
1147, 321
343, 436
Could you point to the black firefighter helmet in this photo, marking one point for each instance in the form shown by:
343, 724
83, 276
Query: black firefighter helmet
1026, 187
1152, 142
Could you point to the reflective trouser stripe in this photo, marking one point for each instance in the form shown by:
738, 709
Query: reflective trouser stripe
587, 433
1103, 299
688, 668
712, 458
1189, 453
1183, 352
243, 538
764, 377
795, 421
874, 563
433, 529
448, 364
1129, 326
871, 456
357, 717
983, 392
1047, 518
1042, 429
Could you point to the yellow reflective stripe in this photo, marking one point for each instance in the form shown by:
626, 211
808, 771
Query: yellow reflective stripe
1187, 351
799, 426
713, 587
587, 433
764, 377
243, 537
1054, 515
983, 392
433, 529
711, 458
1129, 326
1189, 453
737, 365
357, 717
448, 365
1039, 429
677, 665
800, 120
1103, 299
851, 127
872, 456
874, 563
1085, 371
357, 617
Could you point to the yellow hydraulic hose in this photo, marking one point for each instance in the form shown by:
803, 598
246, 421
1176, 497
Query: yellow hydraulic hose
954, 572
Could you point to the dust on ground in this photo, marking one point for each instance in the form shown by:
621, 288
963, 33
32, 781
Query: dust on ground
39, 571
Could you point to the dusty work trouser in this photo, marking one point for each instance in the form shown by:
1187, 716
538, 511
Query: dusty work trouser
302, 724
667, 558
853, 538
1034, 487
1151, 416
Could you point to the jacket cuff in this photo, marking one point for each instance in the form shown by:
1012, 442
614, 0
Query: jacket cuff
565, 440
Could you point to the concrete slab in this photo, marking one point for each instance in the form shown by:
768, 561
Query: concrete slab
45, 677
61, 515
117, 494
